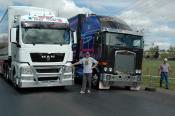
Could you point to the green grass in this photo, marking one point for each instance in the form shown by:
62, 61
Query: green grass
150, 67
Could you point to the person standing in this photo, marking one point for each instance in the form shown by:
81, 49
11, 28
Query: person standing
164, 71
88, 64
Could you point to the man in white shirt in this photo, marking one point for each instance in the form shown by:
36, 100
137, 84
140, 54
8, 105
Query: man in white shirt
88, 64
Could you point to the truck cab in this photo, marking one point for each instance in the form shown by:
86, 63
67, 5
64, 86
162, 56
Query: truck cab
39, 50
117, 47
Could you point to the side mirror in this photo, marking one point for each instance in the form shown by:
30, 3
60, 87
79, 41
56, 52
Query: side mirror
97, 37
13, 35
75, 37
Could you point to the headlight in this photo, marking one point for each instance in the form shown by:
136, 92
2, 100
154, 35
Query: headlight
105, 69
26, 71
67, 69
138, 71
67, 76
110, 69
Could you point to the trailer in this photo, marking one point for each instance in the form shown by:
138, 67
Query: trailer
35, 48
117, 47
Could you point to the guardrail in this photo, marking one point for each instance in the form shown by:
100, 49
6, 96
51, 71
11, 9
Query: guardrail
154, 81
157, 76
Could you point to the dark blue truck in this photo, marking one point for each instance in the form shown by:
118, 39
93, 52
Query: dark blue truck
117, 47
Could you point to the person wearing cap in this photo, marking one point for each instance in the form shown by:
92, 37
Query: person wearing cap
88, 64
164, 71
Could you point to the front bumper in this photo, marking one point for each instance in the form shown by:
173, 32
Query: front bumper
32, 83
120, 80
46, 76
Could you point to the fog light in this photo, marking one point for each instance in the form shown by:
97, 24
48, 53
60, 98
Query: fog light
26, 71
110, 69
138, 71
67, 69
27, 77
67, 76
105, 69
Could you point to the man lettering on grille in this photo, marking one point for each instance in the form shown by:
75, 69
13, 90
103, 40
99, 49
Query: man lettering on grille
164, 71
88, 64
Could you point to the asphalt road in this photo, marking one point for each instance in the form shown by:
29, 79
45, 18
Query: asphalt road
68, 102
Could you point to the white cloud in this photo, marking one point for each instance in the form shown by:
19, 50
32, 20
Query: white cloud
162, 45
102, 4
136, 19
71, 9
66, 8
164, 42
5, 3
166, 30
155, 17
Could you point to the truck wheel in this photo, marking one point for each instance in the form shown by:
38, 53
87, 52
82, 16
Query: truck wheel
135, 88
7, 74
14, 79
62, 87
127, 87
95, 81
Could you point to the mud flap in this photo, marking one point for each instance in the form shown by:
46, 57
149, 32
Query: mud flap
103, 86
136, 88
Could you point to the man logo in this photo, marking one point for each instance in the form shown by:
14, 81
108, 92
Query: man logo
48, 58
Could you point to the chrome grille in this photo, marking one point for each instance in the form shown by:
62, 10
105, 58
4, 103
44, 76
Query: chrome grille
47, 70
125, 61
45, 57
47, 78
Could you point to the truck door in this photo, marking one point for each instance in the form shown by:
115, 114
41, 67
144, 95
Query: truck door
14, 43
97, 46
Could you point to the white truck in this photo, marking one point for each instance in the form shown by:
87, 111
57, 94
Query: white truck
35, 48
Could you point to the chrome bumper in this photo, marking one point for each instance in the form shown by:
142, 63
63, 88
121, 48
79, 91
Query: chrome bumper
51, 83
120, 80
46, 76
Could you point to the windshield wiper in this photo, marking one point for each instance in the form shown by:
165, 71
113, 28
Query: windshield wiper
55, 43
120, 44
136, 46
34, 42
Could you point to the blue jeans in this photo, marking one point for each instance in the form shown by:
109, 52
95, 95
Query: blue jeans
164, 75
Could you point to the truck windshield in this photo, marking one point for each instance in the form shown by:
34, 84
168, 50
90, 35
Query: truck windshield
125, 40
45, 36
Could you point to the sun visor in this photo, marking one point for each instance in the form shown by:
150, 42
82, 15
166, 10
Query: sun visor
39, 24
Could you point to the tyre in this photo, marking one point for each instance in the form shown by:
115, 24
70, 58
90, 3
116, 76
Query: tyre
7, 74
14, 79
62, 87
127, 87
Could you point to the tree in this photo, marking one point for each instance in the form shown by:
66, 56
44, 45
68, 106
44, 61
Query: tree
171, 51
156, 52
153, 52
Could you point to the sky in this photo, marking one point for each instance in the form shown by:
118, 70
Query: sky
155, 17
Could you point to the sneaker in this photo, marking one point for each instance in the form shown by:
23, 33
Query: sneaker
82, 92
88, 91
